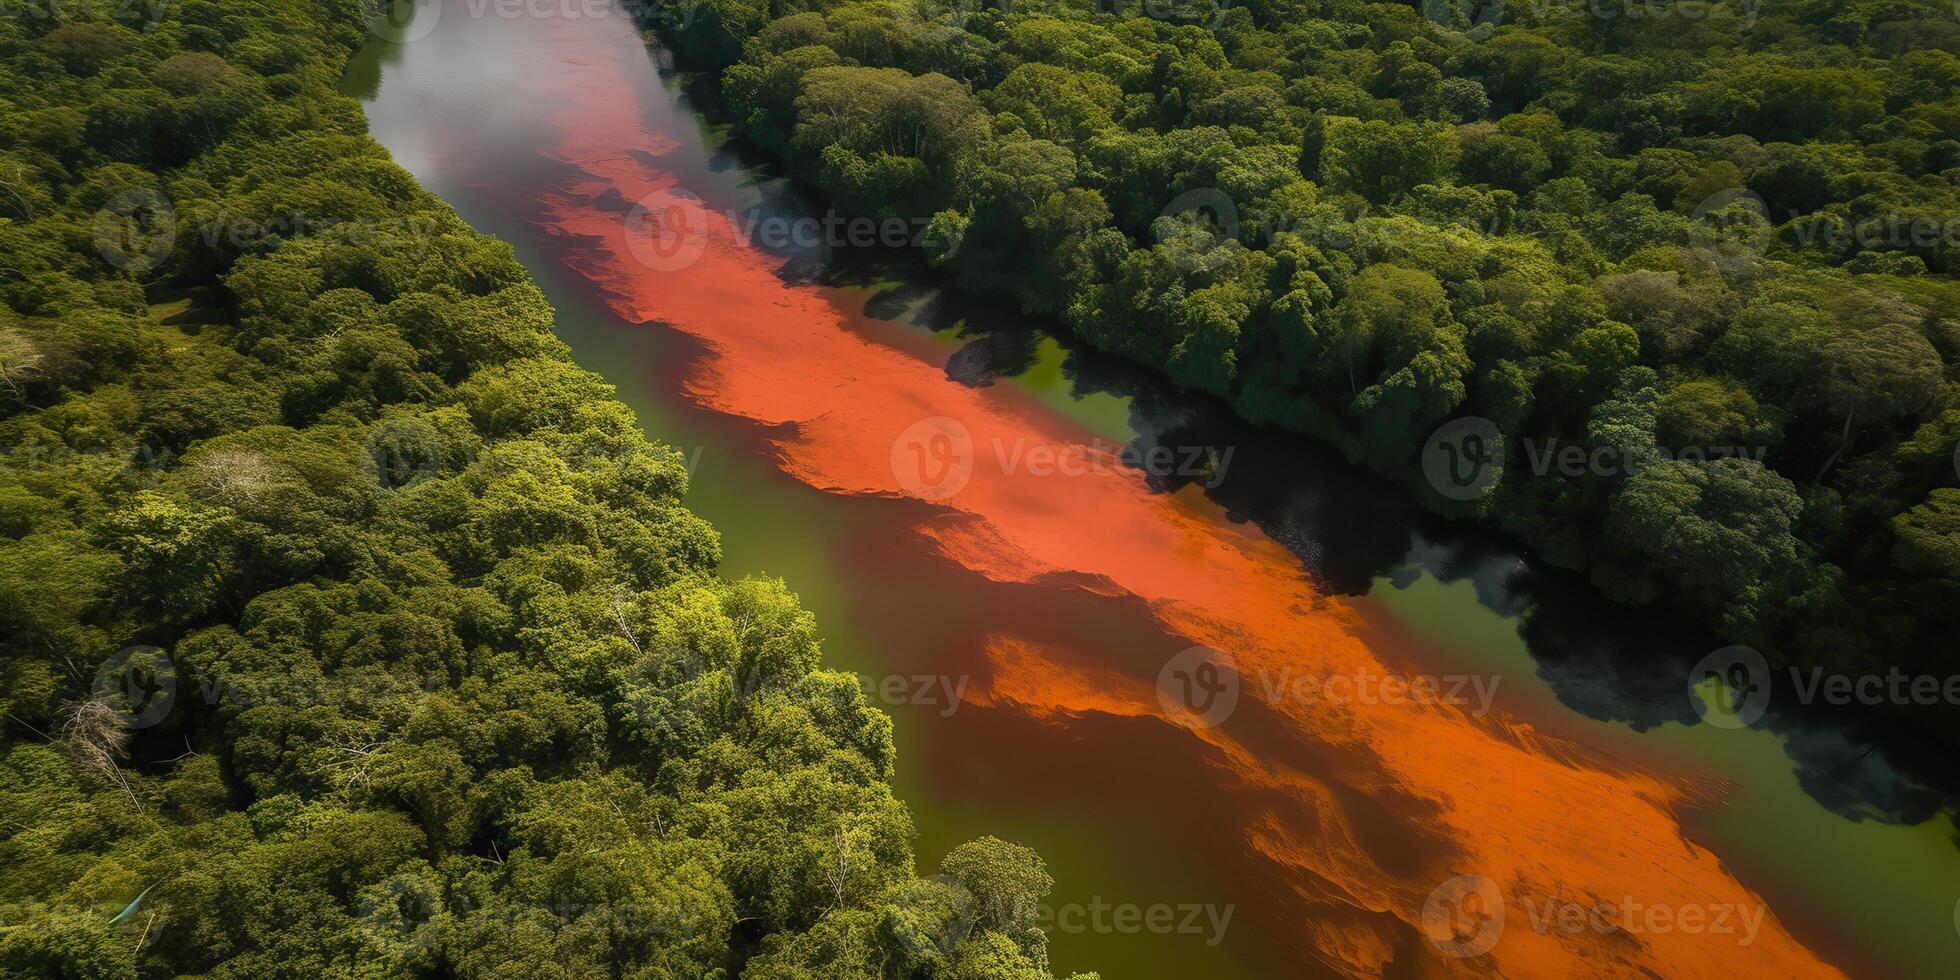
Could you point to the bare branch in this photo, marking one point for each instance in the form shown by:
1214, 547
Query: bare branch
96, 737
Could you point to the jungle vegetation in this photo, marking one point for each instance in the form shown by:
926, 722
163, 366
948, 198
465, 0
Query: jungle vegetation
347, 628
1640, 228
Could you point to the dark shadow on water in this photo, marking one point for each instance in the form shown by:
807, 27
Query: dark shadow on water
1351, 529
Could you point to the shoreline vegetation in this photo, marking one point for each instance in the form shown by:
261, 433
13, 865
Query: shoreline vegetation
350, 629
1708, 248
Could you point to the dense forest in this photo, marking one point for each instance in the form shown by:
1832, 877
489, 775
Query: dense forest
349, 629
1653, 231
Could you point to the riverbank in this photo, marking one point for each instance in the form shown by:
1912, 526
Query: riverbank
1129, 804
1790, 572
347, 625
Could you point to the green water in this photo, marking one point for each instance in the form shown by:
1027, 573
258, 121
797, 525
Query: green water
1895, 886
1120, 809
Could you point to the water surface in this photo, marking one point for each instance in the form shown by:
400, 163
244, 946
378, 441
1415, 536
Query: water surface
1032, 627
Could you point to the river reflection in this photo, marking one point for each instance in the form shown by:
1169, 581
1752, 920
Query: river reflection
1357, 533
1324, 827
1353, 532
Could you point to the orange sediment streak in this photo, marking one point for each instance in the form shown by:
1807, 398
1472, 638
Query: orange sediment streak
1468, 795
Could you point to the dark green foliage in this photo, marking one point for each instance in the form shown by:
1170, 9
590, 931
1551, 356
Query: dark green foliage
1361, 220
446, 682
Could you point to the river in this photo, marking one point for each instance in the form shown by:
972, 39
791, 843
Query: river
1251, 705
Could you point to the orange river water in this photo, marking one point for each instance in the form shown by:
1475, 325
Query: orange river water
1367, 804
